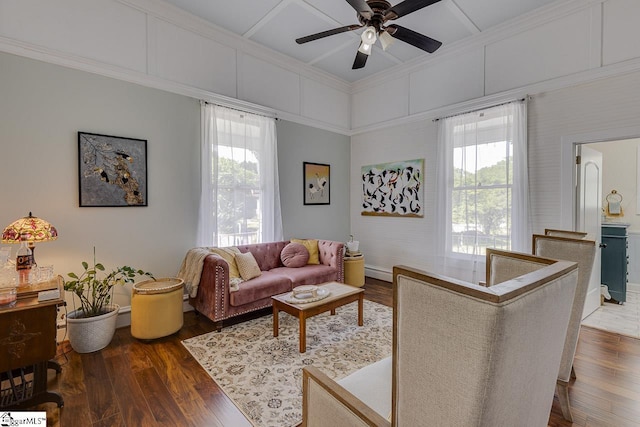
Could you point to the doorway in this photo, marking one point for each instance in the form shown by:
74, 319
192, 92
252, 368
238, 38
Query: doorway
619, 173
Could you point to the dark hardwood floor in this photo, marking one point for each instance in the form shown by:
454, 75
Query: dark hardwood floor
158, 383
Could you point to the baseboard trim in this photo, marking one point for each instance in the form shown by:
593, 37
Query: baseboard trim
378, 273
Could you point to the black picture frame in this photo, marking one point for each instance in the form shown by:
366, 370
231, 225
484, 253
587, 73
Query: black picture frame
316, 183
112, 171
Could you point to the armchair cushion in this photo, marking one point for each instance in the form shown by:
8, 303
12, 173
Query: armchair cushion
372, 385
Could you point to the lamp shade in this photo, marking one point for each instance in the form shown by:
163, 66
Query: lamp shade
368, 36
33, 229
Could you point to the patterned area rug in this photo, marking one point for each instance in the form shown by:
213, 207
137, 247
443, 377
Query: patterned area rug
263, 374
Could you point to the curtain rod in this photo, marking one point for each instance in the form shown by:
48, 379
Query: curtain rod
526, 98
202, 101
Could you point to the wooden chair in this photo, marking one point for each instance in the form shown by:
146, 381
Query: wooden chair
582, 252
463, 354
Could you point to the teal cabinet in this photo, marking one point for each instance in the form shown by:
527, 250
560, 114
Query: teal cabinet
613, 272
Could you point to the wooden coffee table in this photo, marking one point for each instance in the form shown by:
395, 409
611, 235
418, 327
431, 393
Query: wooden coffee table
340, 295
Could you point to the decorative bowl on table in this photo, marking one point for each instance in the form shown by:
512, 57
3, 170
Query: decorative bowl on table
307, 294
305, 291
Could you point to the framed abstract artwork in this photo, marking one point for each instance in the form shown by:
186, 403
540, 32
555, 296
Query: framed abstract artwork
393, 189
317, 183
112, 170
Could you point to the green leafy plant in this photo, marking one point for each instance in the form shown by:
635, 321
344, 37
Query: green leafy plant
95, 288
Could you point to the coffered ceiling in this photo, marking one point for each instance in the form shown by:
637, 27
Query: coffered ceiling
277, 23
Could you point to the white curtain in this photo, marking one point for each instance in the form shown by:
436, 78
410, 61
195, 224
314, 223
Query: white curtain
240, 198
463, 140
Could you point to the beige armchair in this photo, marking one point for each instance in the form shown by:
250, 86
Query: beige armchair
583, 252
463, 354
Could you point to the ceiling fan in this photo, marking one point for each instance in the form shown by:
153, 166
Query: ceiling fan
373, 14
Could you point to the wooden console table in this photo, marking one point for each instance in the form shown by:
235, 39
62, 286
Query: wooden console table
27, 343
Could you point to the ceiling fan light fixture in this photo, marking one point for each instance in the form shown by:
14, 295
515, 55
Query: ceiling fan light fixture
365, 48
386, 40
369, 36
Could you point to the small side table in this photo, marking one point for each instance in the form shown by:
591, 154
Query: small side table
354, 270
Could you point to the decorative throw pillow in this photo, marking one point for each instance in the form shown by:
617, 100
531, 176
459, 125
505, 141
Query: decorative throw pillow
312, 247
229, 255
294, 255
248, 266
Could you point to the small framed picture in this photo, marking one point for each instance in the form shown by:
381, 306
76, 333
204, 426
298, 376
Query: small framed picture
317, 184
112, 170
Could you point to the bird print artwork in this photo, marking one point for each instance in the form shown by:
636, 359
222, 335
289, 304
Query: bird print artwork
316, 187
393, 189
110, 171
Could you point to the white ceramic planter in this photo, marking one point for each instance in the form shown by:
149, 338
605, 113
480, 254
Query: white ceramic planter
92, 333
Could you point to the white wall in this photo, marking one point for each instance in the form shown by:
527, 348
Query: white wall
160, 46
387, 241
555, 118
567, 43
578, 58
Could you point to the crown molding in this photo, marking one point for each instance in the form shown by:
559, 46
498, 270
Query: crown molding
583, 77
75, 62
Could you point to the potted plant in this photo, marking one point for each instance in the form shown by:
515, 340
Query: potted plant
91, 327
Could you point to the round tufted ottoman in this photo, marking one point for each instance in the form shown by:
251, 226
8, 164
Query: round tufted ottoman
156, 308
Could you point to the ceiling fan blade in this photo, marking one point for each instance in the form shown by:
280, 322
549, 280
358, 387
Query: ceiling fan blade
360, 61
362, 8
406, 7
327, 33
416, 39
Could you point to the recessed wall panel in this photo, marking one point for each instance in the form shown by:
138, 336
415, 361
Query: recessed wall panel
556, 49
189, 58
267, 84
106, 31
620, 31
321, 102
453, 80
385, 101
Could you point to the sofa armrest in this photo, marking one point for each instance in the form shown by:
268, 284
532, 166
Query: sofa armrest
327, 403
331, 253
213, 290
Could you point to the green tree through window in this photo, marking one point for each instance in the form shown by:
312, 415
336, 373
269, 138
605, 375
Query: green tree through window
238, 195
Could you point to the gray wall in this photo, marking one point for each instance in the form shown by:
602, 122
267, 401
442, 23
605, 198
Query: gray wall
43, 106
297, 144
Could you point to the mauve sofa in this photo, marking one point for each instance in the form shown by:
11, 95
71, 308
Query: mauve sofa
216, 302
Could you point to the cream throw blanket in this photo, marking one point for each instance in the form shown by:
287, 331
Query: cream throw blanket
191, 270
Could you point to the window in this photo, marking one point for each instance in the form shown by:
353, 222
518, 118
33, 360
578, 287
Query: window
485, 172
240, 203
